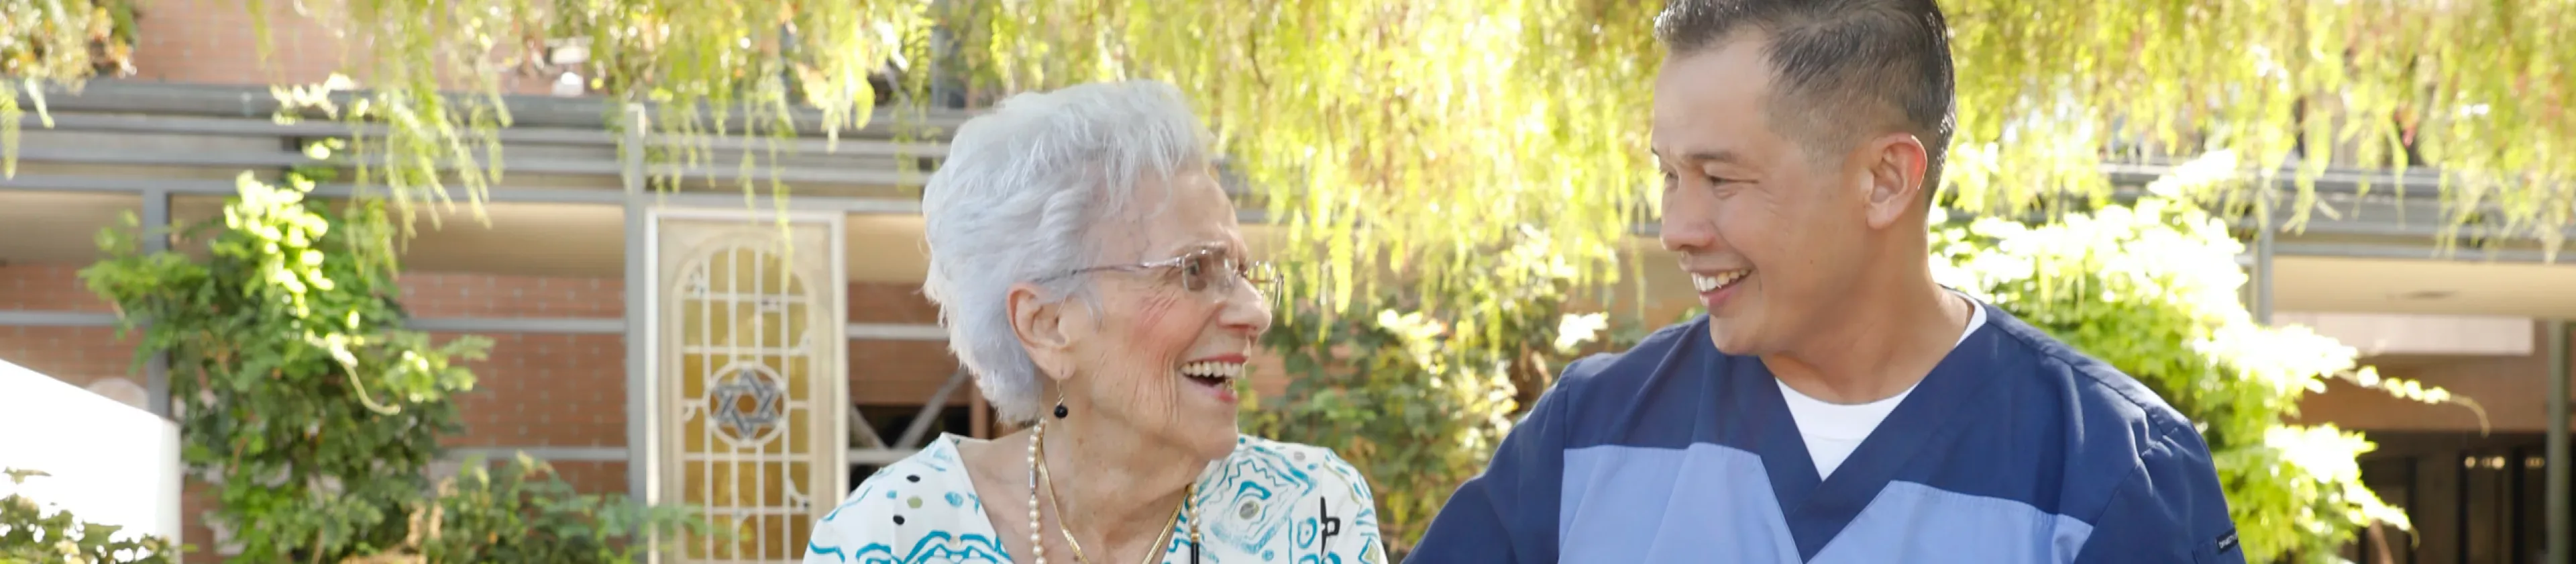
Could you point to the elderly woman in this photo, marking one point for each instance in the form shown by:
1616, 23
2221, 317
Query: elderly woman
1092, 277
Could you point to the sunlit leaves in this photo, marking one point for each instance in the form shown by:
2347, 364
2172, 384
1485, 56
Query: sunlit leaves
31, 532
526, 513
2478, 88
710, 69
300, 397
1360, 120
56, 43
1414, 138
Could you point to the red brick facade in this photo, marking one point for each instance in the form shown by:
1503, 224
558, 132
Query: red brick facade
210, 42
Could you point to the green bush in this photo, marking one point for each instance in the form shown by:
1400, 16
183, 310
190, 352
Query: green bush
525, 513
316, 413
29, 534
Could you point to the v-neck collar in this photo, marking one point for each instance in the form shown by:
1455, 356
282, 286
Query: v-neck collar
1816, 509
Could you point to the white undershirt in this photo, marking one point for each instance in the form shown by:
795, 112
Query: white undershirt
1833, 430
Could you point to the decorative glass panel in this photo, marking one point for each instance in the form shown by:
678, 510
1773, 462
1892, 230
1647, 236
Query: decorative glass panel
751, 380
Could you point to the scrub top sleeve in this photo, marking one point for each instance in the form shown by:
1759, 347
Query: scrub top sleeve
2169, 510
1508, 514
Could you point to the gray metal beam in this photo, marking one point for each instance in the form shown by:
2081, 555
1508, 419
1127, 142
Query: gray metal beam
156, 239
546, 453
247, 127
561, 325
56, 183
2340, 215
864, 206
552, 325
877, 456
638, 311
812, 146
912, 434
2428, 228
277, 159
2413, 252
573, 136
15, 318
863, 434
566, 325
135, 96
798, 175
2333, 180
2558, 521
791, 175
897, 332
2264, 246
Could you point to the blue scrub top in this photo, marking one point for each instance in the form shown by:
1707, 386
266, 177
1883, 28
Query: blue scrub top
2016, 448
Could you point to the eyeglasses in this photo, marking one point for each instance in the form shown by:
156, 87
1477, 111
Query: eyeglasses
1201, 270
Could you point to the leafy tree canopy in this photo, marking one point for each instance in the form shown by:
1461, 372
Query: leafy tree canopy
1415, 135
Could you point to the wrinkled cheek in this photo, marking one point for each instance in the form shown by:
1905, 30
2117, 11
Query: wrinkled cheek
1163, 330
1158, 337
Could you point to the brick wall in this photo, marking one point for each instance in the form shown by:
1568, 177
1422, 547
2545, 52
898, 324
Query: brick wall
79, 356
76, 355
537, 389
886, 372
546, 390
508, 296
211, 42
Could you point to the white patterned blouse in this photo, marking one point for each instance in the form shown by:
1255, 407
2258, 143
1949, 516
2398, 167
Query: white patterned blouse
1268, 502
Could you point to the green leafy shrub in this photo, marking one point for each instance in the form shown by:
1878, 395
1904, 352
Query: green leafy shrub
295, 385
316, 413
29, 534
525, 513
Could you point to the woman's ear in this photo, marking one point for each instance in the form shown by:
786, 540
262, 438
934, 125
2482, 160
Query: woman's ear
1040, 325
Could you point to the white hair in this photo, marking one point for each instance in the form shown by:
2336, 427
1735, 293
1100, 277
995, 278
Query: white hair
1017, 200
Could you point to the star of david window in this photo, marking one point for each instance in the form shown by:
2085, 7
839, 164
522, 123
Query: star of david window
747, 404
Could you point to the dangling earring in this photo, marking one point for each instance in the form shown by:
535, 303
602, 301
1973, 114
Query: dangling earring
1060, 411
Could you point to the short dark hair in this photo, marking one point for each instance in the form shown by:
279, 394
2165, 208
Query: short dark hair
1839, 60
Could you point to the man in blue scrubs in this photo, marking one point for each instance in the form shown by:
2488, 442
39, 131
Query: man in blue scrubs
1835, 405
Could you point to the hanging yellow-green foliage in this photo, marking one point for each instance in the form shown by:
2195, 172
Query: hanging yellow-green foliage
1437, 131
1413, 135
56, 42
709, 70
1386, 136
2479, 90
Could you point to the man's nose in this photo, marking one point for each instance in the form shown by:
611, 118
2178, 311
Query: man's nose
1686, 226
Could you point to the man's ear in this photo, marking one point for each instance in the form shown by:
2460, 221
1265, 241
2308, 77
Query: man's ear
1040, 325
1896, 164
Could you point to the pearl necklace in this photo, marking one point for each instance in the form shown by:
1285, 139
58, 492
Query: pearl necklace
1037, 470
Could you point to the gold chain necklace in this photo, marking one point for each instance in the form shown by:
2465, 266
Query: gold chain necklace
1038, 473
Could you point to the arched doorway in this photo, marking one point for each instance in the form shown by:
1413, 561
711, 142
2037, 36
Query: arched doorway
749, 386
